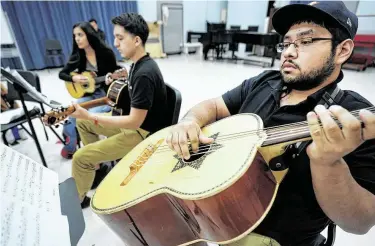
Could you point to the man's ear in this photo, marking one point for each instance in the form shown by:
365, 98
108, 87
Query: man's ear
138, 41
344, 51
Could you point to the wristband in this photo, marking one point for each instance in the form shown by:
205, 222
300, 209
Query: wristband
96, 120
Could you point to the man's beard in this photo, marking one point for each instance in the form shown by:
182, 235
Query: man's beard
311, 80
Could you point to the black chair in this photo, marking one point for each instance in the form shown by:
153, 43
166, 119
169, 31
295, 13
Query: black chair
36, 112
174, 104
53, 49
234, 46
212, 27
249, 47
331, 236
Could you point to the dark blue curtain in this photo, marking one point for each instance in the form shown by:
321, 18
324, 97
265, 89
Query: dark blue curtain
34, 22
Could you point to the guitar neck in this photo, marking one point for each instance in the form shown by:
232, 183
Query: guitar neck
298, 130
90, 104
99, 80
94, 103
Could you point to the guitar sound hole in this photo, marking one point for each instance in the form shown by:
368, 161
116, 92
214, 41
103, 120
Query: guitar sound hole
201, 152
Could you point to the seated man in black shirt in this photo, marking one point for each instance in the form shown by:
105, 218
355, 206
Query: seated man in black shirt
148, 100
333, 178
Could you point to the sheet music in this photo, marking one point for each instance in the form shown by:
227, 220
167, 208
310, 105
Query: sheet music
30, 203
28, 182
26, 226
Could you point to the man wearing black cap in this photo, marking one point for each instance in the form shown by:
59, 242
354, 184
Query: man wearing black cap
332, 179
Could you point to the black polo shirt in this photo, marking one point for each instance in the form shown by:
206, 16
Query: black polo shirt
296, 217
147, 91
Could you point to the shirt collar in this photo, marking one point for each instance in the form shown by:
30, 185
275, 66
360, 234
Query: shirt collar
277, 86
319, 94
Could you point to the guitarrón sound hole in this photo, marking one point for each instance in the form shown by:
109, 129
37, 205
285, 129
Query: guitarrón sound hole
201, 152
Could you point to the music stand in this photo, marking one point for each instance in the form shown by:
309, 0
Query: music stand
22, 89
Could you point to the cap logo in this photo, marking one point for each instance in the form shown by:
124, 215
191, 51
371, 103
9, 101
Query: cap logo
313, 3
349, 22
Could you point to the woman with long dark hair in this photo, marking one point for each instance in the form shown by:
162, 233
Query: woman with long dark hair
89, 53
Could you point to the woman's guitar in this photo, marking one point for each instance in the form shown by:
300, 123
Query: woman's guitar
221, 194
78, 90
117, 97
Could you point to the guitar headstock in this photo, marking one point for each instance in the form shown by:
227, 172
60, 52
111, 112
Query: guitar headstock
56, 115
120, 74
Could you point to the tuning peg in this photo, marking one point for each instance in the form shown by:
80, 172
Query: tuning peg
57, 126
66, 121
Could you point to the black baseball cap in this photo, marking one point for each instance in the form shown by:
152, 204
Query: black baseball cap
328, 11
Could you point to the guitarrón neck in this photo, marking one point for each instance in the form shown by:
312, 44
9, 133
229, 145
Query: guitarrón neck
298, 130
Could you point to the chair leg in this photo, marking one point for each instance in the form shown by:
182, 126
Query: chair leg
23, 127
35, 137
57, 135
44, 127
4, 139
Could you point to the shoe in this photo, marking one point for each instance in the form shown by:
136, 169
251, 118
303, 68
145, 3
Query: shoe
9, 137
86, 202
100, 175
67, 154
22, 133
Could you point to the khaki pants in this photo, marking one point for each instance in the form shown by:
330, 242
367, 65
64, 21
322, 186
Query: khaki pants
118, 143
254, 239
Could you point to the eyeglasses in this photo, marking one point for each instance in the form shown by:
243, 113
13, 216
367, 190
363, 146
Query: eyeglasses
299, 44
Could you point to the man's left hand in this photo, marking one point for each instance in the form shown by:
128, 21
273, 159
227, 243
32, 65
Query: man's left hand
330, 143
80, 113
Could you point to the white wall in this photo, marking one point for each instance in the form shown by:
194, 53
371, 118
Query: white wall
247, 13
196, 13
366, 25
213, 10
148, 10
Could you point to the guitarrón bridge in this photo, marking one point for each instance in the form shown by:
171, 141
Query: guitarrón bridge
140, 161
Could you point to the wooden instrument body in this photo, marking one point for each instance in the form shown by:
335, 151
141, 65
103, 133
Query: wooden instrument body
220, 197
118, 94
78, 90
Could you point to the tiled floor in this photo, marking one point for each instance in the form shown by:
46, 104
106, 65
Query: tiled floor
197, 80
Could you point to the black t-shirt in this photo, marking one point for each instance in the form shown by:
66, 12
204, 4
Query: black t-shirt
296, 217
147, 90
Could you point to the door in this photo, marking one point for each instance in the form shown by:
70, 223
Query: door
172, 28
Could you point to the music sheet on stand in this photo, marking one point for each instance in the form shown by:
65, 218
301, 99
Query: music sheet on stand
30, 203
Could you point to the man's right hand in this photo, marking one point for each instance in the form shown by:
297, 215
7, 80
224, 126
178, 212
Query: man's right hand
184, 132
80, 79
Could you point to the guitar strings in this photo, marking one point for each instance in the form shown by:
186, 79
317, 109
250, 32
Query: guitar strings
274, 133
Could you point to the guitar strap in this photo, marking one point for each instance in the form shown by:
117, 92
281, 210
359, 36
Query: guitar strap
331, 97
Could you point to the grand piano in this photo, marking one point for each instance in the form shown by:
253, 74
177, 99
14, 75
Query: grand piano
217, 39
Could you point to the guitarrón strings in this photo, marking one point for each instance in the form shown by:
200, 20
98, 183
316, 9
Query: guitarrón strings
273, 134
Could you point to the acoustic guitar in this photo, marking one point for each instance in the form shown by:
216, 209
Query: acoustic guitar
78, 90
117, 97
221, 194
